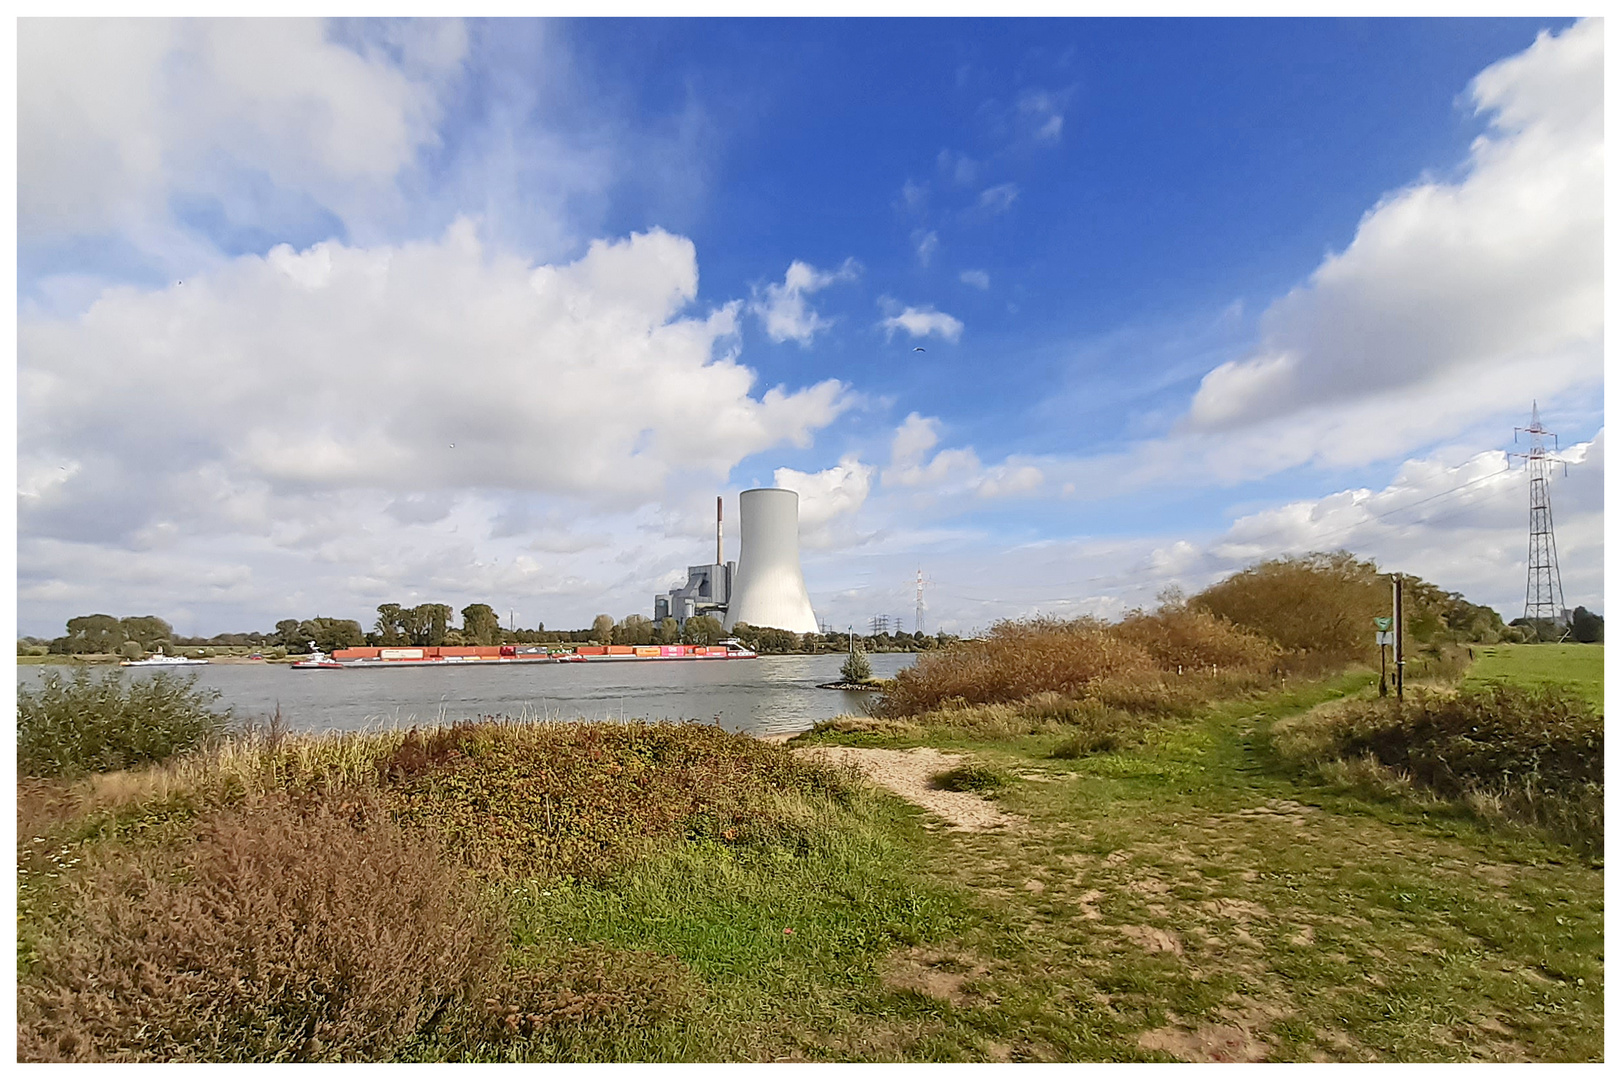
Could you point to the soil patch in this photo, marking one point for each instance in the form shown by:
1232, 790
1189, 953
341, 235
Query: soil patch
907, 773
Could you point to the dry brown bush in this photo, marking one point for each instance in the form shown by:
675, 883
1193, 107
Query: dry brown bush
1158, 664
1191, 639
1319, 608
284, 932
1016, 660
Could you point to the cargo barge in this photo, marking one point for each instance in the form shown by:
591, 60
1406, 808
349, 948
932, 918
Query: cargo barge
374, 656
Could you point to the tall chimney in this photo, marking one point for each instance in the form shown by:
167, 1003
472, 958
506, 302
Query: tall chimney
720, 559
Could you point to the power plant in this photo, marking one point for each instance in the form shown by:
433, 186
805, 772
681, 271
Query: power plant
765, 587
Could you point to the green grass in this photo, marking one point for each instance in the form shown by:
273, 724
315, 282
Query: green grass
1195, 893
1188, 893
1577, 667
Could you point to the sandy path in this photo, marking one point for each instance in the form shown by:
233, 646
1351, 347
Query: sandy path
907, 772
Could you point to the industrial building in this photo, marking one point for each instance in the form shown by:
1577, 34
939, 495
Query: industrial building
765, 586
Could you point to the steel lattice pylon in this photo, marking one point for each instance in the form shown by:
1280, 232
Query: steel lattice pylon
1544, 595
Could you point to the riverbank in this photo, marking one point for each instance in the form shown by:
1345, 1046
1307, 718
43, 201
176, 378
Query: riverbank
1188, 895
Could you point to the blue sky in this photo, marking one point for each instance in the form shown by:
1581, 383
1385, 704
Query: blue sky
1189, 293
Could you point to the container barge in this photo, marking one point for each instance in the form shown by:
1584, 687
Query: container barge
373, 656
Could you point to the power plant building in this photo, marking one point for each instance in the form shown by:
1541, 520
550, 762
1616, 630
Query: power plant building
765, 586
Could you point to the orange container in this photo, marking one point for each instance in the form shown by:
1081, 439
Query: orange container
592, 650
621, 650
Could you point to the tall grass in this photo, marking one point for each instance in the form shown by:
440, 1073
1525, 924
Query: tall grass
320, 898
1534, 755
73, 726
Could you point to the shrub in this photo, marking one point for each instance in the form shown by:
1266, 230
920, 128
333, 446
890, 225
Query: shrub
856, 667
72, 726
1187, 639
1318, 605
1534, 755
585, 799
283, 933
1016, 660
971, 777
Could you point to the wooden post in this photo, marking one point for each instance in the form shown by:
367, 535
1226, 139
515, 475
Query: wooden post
1401, 648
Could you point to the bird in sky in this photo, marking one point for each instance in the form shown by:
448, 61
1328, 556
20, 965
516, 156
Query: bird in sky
920, 349
453, 446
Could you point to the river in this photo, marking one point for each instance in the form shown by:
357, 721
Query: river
764, 696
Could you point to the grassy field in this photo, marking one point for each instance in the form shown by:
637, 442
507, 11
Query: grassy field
1176, 892
1578, 667
1193, 898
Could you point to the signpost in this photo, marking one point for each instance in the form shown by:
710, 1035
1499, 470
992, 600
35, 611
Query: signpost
1383, 637
1396, 630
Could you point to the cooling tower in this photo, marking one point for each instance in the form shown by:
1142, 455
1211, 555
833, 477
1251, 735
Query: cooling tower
769, 589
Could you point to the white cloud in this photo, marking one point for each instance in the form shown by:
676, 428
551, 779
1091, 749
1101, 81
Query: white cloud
1040, 113
979, 279
955, 470
1495, 279
307, 402
914, 197
919, 321
961, 169
1000, 198
925, 244
784, 311
117, 115
827, 499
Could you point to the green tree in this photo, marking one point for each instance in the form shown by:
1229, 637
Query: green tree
602, 629
634, 630
330, 634
669, 631
481, 625
1585, 626
856, 669
93, 634
703, 630
290, 633
148, 631
387, 626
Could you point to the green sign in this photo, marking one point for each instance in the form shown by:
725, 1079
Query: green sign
1382, 622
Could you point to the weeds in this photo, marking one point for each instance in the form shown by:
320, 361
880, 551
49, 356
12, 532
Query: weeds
282, 933
1531, 755
971, 777
69, 727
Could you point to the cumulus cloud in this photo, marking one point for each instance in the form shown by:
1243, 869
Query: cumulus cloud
1041, 115
998, 199
954, 470
297, 399
117, 117
918, 321
784, 311
979, 279
827, 499
1496, 276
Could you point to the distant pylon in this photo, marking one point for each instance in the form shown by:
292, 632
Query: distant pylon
1544, 594
917, 626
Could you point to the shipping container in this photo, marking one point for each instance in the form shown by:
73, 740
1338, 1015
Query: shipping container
621, 650
647, 650
400, 654
592, 650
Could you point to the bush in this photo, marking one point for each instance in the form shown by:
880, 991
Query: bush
71, 726
1534, 755
284, 933
584, 799
972, 777
856, 668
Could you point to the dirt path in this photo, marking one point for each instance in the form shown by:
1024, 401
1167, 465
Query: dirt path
907, 773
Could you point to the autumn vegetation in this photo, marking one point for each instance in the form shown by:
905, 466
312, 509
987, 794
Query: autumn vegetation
195, 889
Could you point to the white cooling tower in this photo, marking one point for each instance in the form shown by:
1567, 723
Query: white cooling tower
769, 589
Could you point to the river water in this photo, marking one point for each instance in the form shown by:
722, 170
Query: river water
763, 696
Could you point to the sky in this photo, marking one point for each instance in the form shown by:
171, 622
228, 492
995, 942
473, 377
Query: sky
315, 316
